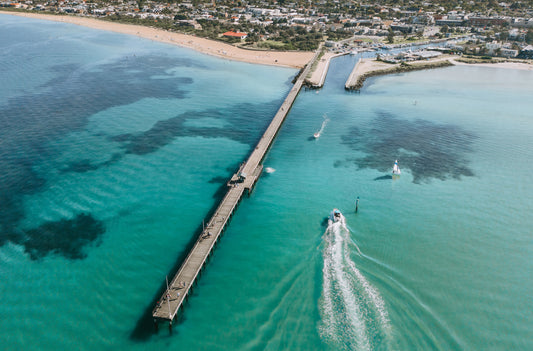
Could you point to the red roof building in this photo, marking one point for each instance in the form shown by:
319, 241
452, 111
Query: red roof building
235, 35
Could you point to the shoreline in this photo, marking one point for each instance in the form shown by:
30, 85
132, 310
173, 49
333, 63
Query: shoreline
290, 59
296, 59
506, 64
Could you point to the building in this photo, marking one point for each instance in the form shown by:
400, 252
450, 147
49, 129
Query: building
506, 52
493, 47
237, 35
487, 21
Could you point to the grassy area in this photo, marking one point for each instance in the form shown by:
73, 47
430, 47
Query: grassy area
365, 40
488, 59
271, 44
411, 40
480, 59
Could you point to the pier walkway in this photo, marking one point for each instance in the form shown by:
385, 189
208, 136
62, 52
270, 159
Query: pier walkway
240, 183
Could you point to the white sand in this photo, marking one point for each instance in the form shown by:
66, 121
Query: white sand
508, 65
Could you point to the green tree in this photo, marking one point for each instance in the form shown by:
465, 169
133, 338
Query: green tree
390, 36
529, 36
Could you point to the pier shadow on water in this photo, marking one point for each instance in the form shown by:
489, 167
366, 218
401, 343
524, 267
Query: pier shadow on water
427, 149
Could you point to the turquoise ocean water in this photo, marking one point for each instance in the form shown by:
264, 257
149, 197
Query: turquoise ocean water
114, 148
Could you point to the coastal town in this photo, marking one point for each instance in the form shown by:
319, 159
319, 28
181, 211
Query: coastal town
493, 29
225, 174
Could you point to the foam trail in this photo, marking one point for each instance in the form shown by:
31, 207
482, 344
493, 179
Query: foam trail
354, 316
370, 291
324, 123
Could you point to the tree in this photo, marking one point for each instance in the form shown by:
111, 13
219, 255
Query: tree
390, 36
529, 36
503, 35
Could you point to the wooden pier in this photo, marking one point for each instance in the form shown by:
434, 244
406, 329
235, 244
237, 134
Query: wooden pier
240, 183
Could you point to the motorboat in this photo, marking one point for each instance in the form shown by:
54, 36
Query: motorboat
396, 169
336, 219
326, 120
335, 216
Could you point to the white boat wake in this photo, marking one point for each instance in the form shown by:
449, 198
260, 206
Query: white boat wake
324, 123
354, 316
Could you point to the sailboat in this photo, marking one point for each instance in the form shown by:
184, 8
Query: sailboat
396, 168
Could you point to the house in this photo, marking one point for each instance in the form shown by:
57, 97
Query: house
507, 52
493, 47
488, 21
238, 35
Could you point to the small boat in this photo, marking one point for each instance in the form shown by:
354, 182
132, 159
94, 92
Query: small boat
396, 169
335, 216
326, 120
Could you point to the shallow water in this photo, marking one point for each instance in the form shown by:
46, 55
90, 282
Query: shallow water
115, 148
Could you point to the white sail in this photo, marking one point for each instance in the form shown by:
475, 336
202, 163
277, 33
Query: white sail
396, 168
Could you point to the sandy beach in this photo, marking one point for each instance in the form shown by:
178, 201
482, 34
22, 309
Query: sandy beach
277, 58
